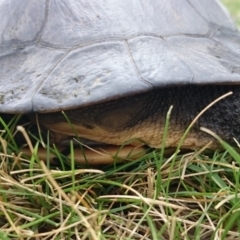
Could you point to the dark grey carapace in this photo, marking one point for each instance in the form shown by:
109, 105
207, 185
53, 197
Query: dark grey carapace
73, 54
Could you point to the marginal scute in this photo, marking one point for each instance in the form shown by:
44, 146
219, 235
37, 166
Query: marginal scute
207, 59
90, 75
158, 63
228, 38
21, 72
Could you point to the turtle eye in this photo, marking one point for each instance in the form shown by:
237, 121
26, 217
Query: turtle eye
88, 126
114, 120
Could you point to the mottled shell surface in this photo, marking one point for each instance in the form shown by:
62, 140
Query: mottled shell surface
57, 55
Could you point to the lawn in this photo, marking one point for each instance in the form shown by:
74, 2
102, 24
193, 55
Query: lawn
192, 195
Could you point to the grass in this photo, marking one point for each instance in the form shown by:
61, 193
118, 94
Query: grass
189, 196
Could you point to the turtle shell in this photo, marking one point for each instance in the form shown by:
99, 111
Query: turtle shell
57, 55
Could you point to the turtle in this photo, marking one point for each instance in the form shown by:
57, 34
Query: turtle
111, 71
